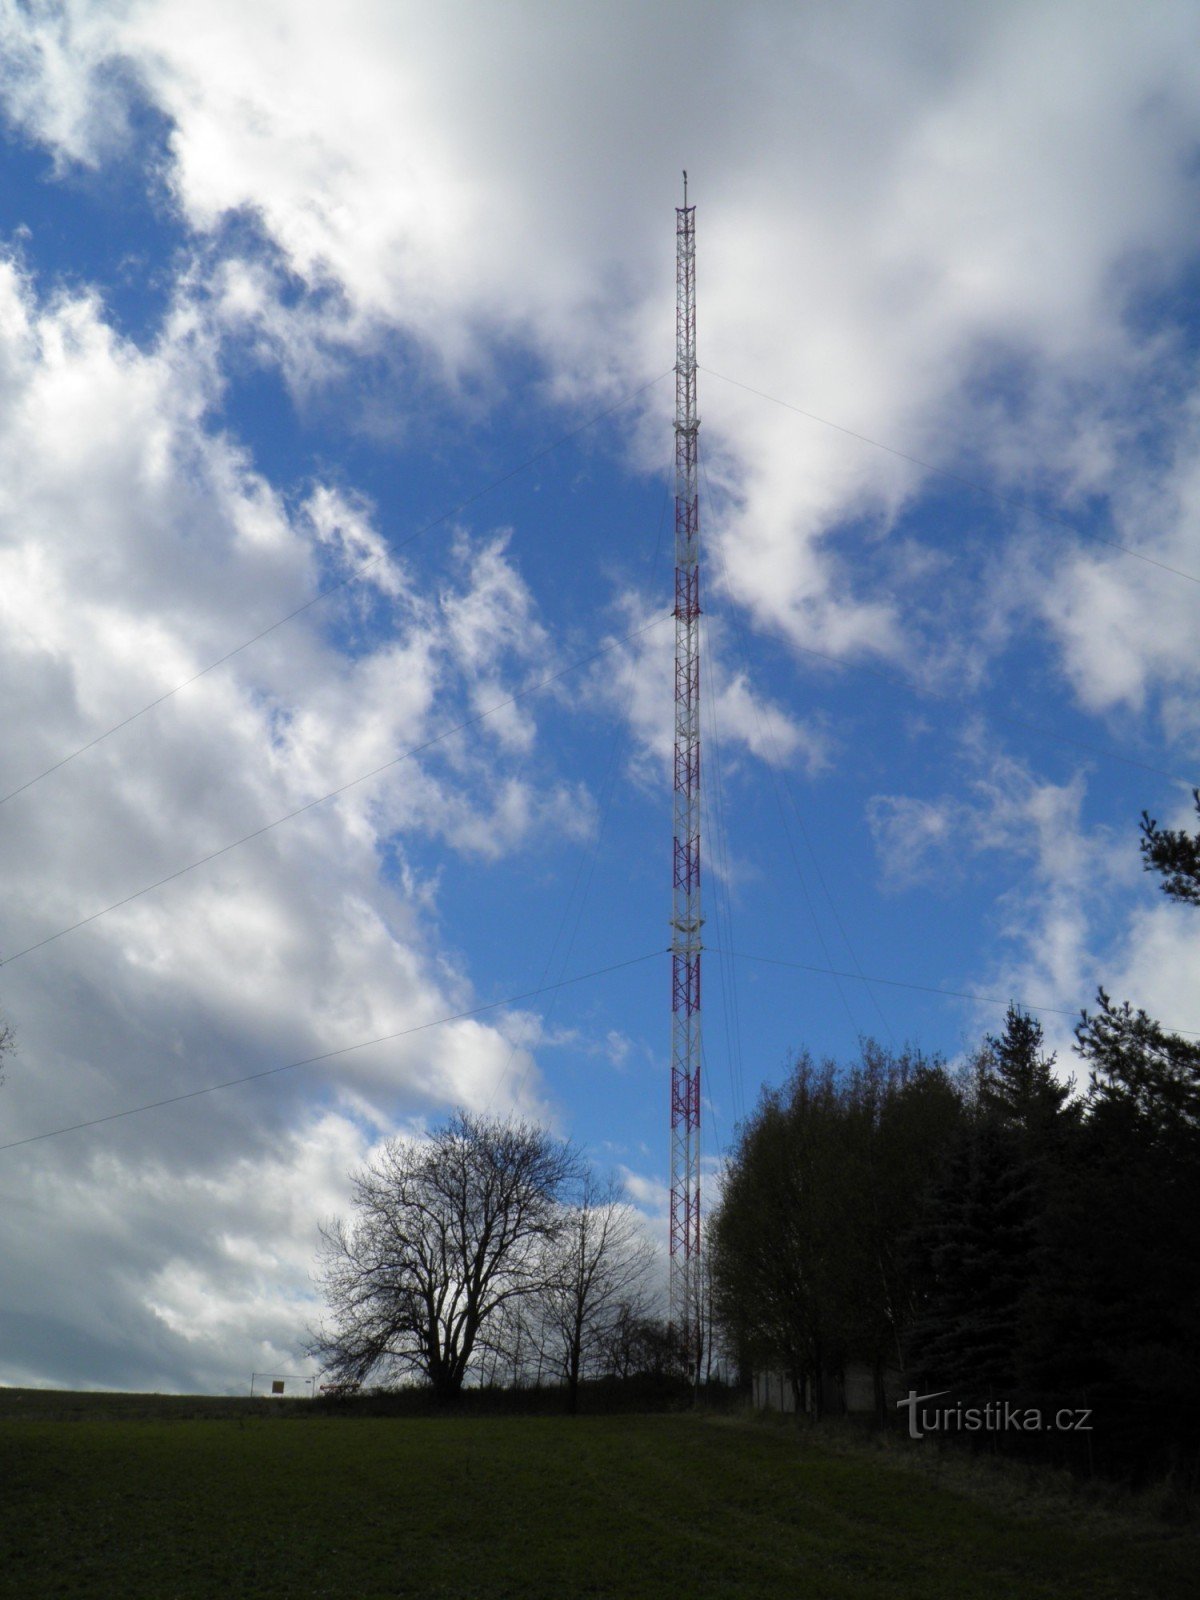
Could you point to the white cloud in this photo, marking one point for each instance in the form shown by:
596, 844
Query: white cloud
1125, 629
1071, 917
1005, 808
646, 1193
930, 225
635, 679
136, 546
617, 1046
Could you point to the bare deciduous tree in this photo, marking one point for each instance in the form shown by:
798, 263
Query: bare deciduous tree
446, 1232
637, 1343
600, 1261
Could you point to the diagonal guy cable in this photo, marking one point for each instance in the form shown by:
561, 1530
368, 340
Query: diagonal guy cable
406, 755
335, 588
329, 1055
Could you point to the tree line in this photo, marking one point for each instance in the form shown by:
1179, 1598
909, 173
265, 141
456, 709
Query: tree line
986, 1232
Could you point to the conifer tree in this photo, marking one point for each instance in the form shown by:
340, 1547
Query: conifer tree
1017, 1084
1131, 1265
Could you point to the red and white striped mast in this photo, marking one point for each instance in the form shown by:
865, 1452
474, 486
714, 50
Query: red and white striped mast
686, 920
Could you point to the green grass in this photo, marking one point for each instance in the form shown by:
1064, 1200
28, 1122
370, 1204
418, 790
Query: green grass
234, 1500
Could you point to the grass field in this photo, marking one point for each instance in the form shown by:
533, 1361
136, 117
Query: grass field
130, 1496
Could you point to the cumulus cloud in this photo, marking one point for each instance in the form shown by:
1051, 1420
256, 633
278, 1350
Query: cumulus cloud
138, 544
1060, 875
933, 226
636, 679
1005, 809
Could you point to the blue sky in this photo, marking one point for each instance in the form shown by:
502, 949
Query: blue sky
386, 307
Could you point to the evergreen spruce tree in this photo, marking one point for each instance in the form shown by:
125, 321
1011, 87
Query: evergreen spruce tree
1131, 1262
1017, 1085
971, 1251
984, 1247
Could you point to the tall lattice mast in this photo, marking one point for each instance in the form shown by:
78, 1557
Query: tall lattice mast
686, 919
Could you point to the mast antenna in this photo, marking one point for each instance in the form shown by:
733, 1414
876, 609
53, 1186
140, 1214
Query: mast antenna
686, 919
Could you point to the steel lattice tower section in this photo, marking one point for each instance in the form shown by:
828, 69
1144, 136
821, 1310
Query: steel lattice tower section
686, 920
